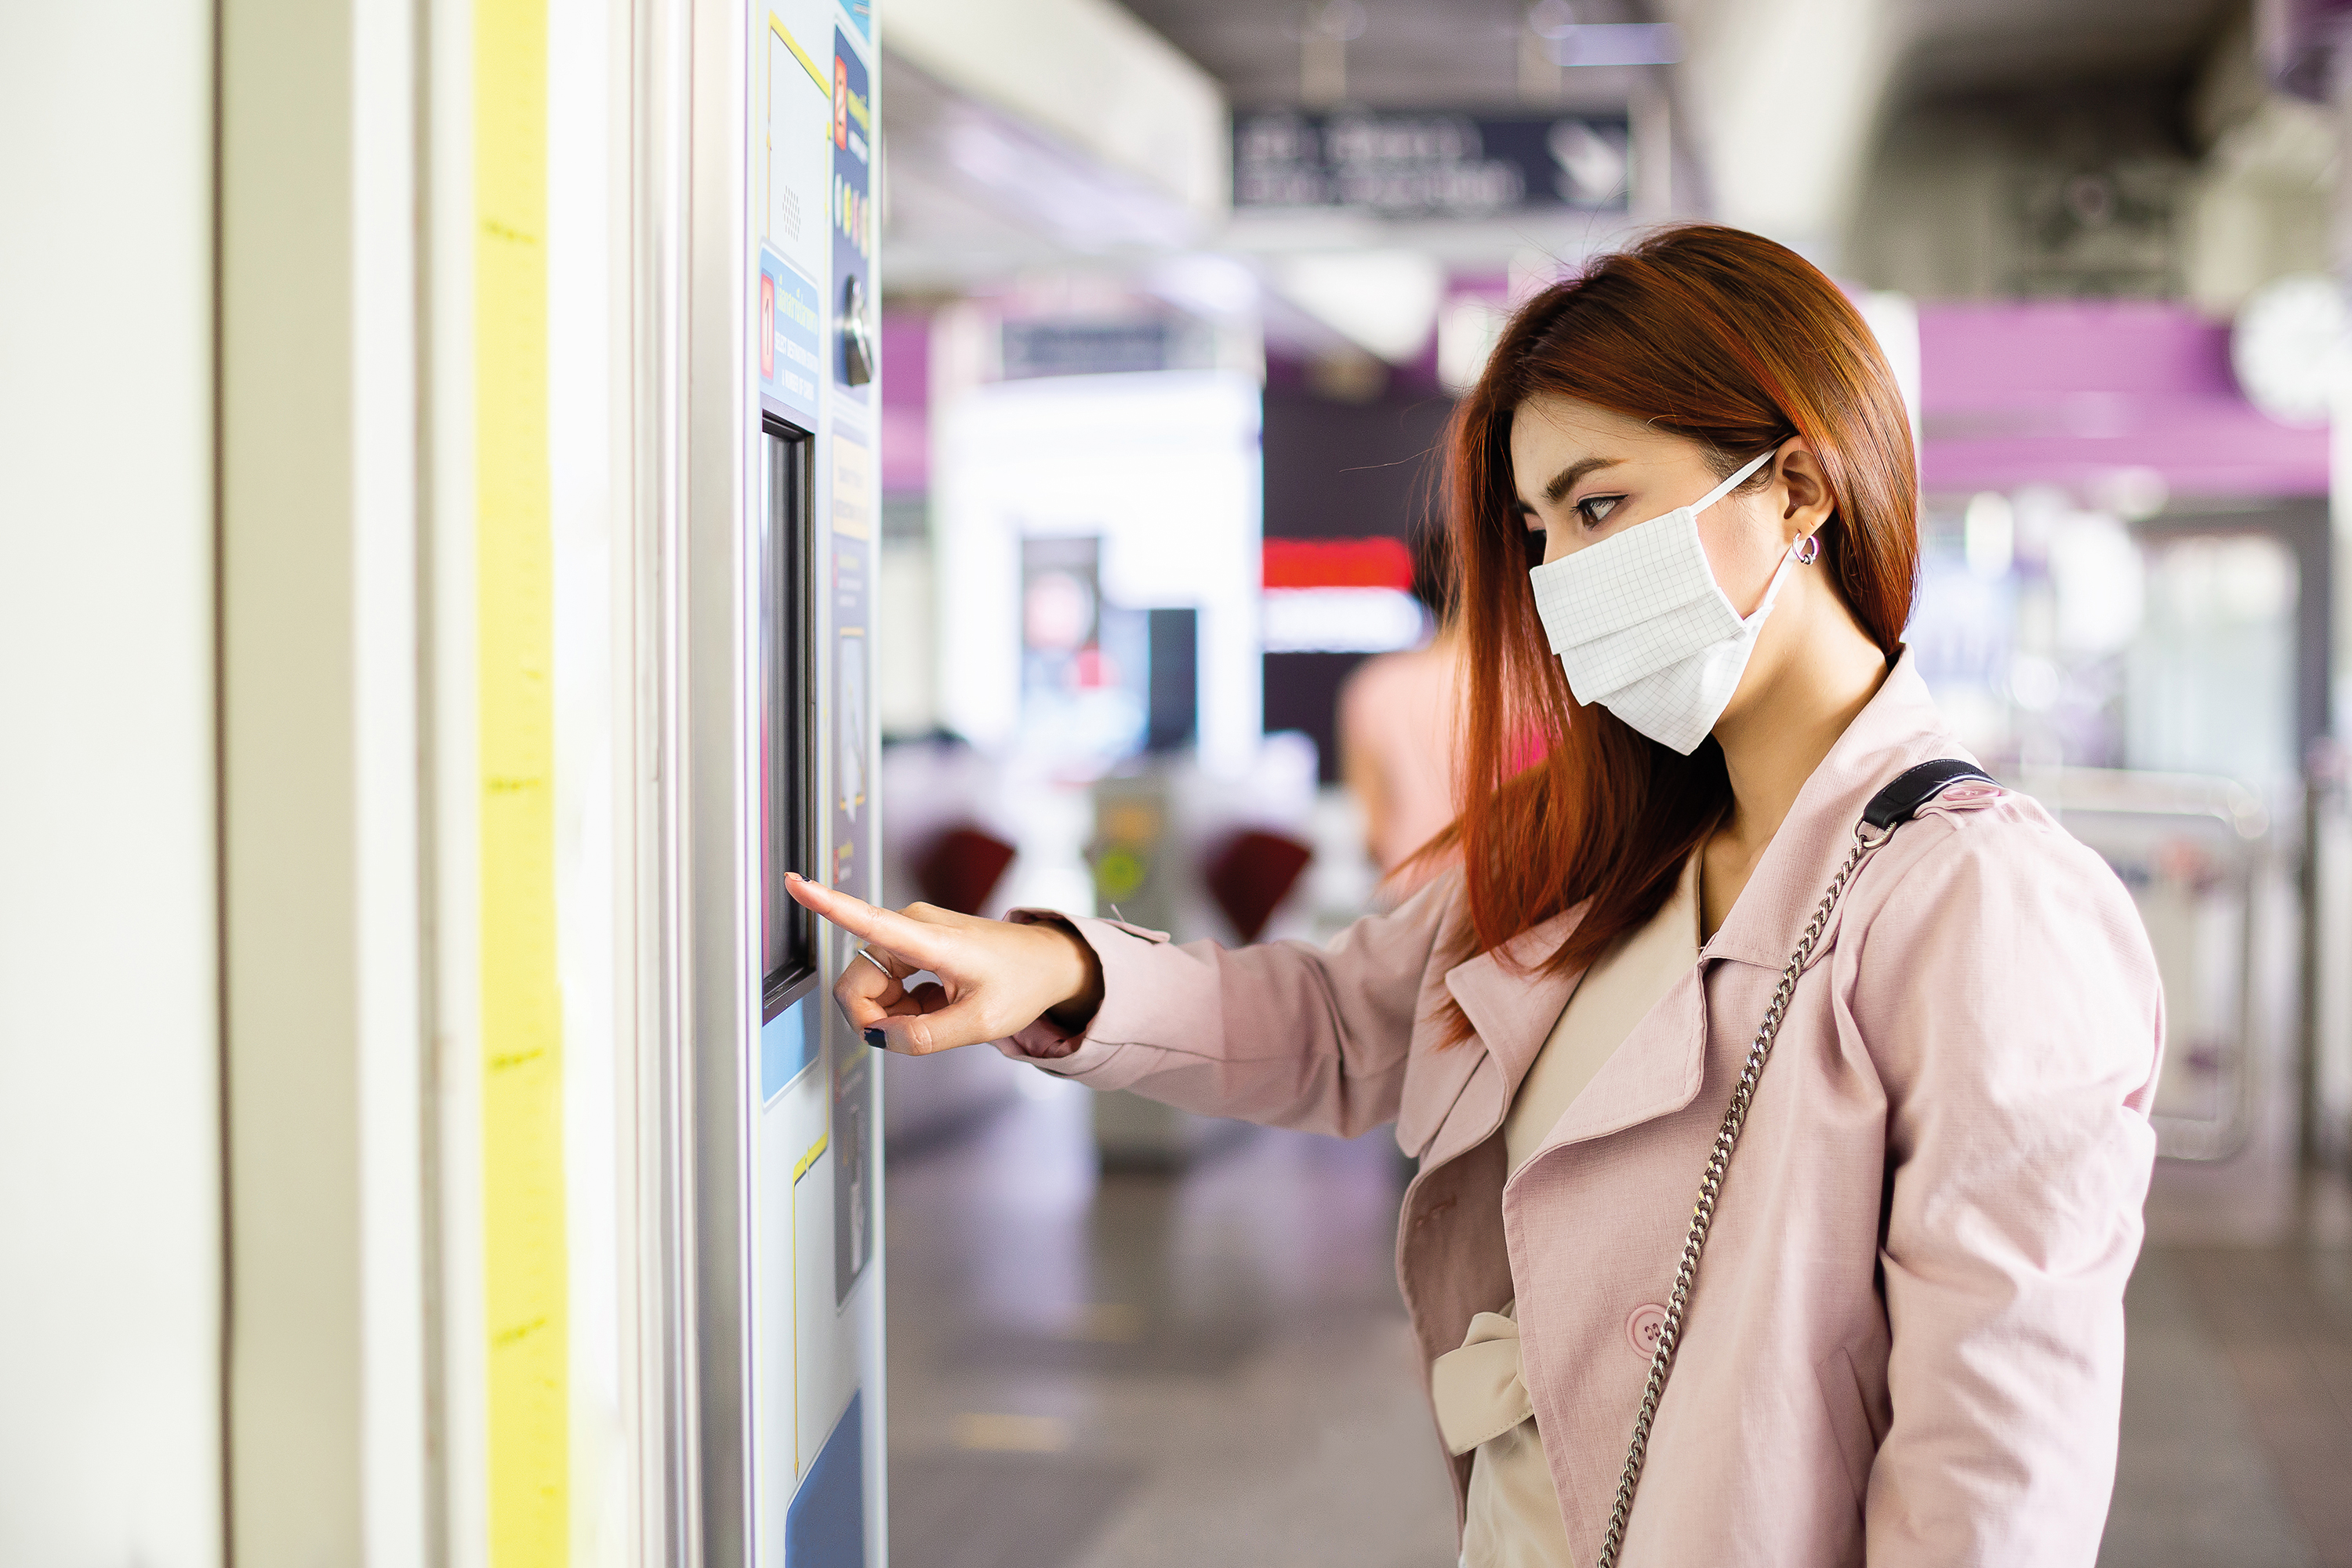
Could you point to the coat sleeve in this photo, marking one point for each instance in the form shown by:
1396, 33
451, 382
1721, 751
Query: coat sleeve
1284, 1033
2006, 994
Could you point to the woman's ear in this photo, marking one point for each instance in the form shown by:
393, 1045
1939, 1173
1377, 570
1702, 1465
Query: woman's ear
1806, 503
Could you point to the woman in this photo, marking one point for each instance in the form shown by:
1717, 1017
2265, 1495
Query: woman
1396, 732
1906, 1340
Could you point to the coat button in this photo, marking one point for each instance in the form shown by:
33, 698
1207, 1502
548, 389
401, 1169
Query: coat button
1642, 1330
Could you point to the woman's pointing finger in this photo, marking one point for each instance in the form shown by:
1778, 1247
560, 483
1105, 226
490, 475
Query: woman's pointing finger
912, 941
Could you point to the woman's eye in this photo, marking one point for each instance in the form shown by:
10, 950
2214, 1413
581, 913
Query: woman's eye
1595, 509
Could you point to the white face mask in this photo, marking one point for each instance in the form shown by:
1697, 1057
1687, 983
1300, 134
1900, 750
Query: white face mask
1643, 629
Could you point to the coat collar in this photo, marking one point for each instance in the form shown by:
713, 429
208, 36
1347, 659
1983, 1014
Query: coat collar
1898, 727
1512, 1002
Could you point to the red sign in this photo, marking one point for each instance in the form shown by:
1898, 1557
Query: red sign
1376, 562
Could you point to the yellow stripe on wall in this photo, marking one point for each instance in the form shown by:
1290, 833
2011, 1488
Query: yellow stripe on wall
523, 1058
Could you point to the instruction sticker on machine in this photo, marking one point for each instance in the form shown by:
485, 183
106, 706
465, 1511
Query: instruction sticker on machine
792, 140
853, 222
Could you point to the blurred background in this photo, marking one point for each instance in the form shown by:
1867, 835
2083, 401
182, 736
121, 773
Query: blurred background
1177, 297
468, 527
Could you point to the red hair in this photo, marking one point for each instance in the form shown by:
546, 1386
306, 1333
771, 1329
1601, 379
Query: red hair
1723, 338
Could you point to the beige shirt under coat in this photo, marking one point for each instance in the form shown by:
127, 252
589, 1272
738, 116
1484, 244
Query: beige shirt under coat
1512, 1517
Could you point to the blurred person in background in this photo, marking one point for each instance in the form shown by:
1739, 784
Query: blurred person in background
1400, 723
1750, 831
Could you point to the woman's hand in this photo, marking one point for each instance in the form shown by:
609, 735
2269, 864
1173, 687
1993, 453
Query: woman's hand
995, 978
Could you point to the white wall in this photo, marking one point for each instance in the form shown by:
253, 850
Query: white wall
110, 1242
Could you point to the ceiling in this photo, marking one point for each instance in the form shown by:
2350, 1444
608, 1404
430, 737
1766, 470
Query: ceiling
1967, 47
1415, 53
1780, 101
1409, 54
1779, 104
973, 192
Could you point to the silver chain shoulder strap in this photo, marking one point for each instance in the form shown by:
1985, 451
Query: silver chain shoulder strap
1887, 810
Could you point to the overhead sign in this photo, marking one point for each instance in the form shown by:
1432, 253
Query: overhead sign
1424, 164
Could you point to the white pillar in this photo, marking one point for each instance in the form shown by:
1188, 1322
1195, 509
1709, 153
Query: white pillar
110, 1241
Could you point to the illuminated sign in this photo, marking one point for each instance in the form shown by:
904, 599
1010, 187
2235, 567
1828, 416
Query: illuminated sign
1433, 164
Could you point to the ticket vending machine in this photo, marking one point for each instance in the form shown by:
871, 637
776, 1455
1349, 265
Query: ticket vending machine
787, 1215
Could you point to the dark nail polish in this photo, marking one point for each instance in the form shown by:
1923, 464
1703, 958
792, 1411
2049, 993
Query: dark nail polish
877, 1039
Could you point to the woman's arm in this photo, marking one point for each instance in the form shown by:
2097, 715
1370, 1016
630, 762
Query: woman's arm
1283, 1033
2006, 991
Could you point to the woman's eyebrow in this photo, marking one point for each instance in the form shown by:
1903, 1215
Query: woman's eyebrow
1565, 480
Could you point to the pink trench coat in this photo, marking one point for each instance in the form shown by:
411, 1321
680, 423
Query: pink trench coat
1906, 1342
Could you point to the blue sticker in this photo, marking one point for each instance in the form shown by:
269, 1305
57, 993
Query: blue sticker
787, 1045
791, 315
861, 15
854, 314
825, 1526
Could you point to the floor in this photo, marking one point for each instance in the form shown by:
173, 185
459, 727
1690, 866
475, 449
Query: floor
2237, 1433
1132, 1370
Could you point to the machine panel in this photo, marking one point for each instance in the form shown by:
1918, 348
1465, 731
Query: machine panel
815, 1313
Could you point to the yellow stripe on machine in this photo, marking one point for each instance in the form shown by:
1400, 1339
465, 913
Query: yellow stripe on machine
522, 1048
801, 1168
776, 25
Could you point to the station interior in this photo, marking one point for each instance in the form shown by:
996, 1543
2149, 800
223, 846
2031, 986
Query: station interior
487, 488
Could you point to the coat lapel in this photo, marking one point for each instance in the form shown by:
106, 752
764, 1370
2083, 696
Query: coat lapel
1511, 1001
1655, 1072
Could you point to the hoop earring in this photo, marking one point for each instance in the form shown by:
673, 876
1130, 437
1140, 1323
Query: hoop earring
1809, 549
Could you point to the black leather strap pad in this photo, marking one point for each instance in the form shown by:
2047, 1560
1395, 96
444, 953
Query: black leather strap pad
1915, 787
